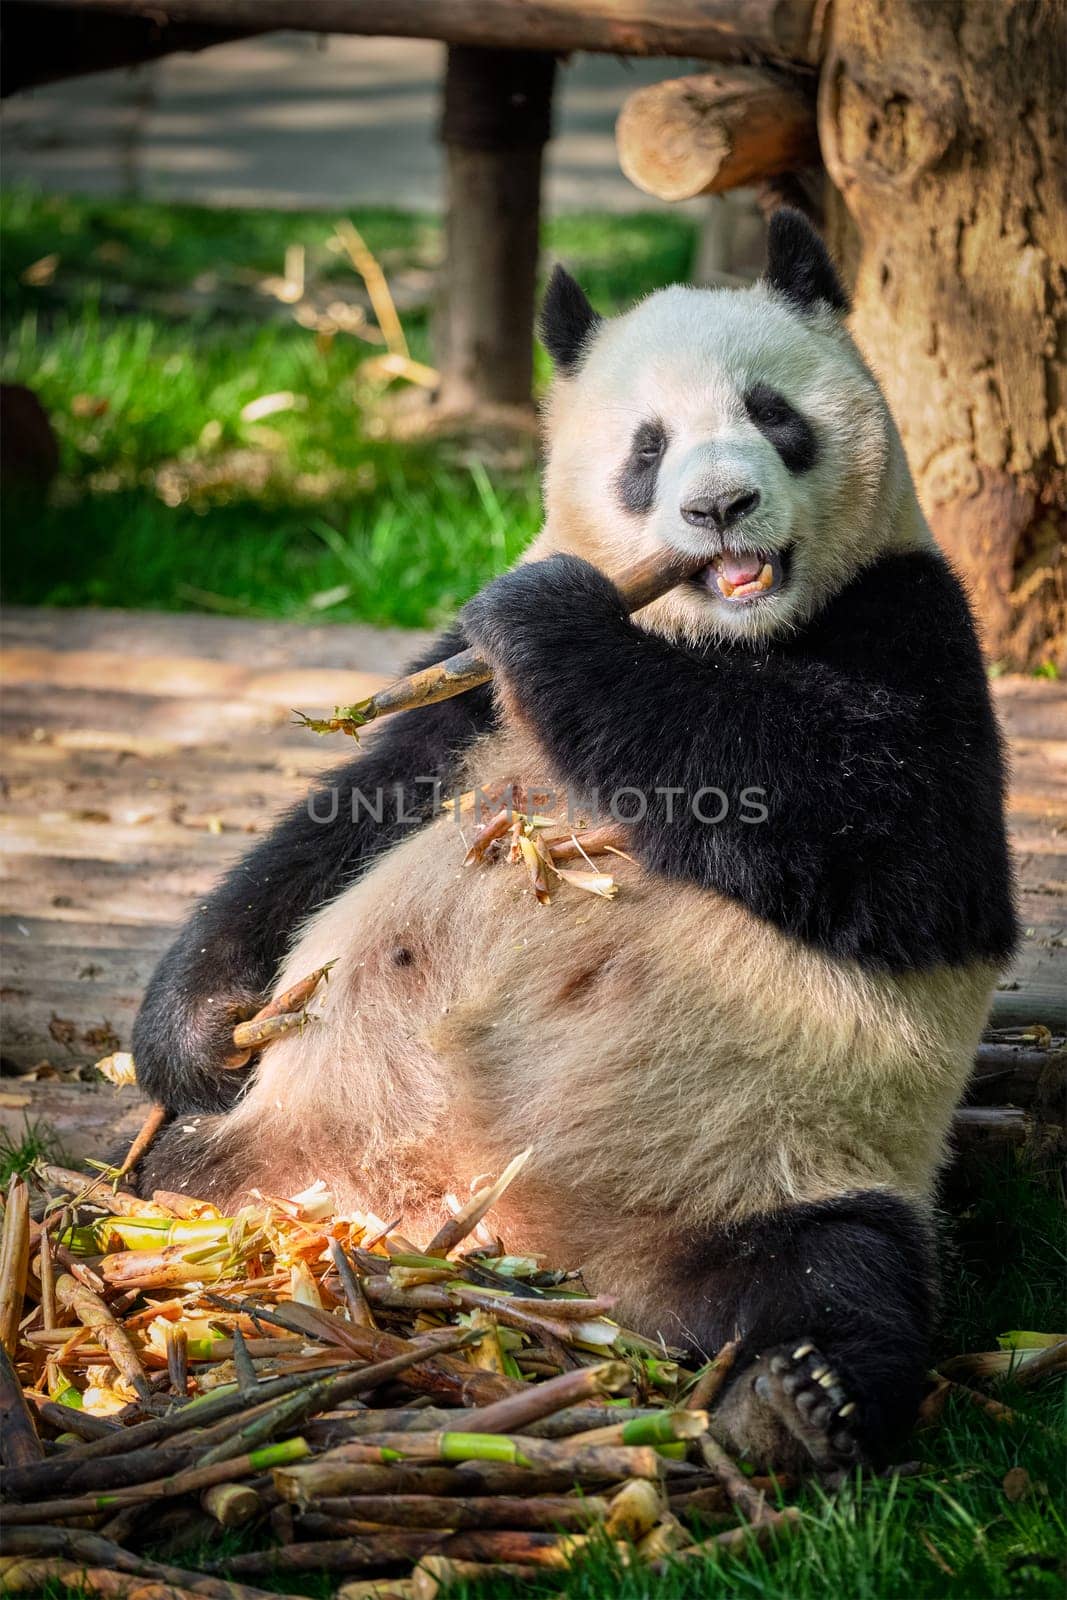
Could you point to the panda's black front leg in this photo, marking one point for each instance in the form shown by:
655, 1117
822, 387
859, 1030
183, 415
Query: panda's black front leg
225, 958
832, 1303
568, 660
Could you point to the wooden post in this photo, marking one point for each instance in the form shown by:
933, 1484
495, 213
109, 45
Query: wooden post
497, 120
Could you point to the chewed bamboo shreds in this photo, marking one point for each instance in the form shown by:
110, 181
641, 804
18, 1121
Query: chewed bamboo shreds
467, 1218
539, 856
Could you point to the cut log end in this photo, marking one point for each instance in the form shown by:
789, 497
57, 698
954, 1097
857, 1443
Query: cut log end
715, 131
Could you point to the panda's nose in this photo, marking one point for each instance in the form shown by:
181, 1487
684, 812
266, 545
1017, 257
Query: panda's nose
719, 511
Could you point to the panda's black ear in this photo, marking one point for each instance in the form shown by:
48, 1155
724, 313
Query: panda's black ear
799, 265
567, 321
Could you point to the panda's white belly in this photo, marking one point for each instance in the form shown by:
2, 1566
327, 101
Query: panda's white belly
666, 1055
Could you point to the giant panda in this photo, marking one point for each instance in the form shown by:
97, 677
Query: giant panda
736, 1078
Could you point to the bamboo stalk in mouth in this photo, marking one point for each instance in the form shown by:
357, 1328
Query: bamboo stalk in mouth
646, 581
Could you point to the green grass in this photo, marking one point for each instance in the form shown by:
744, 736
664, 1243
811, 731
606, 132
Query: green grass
37, 1142
168, 498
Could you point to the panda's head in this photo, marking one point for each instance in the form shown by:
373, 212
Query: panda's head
740, 424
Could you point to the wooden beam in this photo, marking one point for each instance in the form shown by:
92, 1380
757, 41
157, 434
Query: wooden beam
715, 131
710, 30
37, 49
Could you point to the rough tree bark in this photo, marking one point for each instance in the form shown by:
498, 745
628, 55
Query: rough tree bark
497, 120
942, 127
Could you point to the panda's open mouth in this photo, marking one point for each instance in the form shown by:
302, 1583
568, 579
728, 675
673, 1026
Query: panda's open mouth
740, 577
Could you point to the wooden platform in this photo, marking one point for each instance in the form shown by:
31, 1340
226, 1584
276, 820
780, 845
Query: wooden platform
141, 753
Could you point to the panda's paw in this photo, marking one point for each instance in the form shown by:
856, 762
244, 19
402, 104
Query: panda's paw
812, 1403
538, 604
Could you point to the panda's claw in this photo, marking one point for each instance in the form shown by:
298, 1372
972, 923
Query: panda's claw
808, 1398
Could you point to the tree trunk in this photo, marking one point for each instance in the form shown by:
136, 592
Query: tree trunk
497, 120
942, 126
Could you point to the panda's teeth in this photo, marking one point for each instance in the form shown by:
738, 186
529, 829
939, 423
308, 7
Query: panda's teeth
766, 577
725, 585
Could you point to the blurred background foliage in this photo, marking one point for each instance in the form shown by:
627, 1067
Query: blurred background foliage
216, 452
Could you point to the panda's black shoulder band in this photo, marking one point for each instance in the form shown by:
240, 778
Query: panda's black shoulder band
845, 785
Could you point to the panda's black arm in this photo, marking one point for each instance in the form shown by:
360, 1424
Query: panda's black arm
226, 955
862, 776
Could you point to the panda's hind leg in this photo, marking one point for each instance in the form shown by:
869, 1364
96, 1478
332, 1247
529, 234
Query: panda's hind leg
833, 1304
207, 1158
794, 1402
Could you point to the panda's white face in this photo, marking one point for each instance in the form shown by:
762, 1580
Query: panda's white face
729, 424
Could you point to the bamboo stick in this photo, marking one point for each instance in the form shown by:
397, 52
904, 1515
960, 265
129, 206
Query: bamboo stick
66, 1419
334, 1555
646, 581
377, 1589
334, 1489
247, 1381
93, 1313
151, 1125
14, 1262
35, 1577
355, 1300
69, 1476
99, 1566
606, 836
258, 1032
47, 1277
220, 1409
19, 1444
95, 1191
525, 1547
708, 1386
478, 1511
775, 1525
751, 1502
517, 1411
293, 1000
664, 1427
177, 1360
118, 1440
548, 1319
431, 1372
179, 1483
606, 1461
231, 1505
183, 1205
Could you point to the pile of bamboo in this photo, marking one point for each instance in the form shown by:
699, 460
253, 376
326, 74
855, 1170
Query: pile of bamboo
398, 1418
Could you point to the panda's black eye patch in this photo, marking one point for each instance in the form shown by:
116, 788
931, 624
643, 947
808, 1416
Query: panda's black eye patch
636, 482
791, 434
